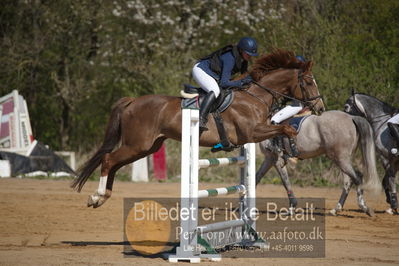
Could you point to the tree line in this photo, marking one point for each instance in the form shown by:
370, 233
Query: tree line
73, 59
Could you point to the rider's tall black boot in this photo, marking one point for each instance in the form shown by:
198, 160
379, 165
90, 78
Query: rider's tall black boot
394, 130
204, 110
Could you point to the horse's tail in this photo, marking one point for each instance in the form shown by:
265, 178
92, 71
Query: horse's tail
367, 146
111, 139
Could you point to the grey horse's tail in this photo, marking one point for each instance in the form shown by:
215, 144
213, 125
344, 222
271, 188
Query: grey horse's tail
372, 182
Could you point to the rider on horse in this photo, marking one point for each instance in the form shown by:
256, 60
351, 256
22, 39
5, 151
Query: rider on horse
289, 111
215, 70
393, 125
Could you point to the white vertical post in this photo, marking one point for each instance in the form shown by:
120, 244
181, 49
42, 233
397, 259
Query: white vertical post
73, 161
185, 154
1, 114
250, 181
189, 186
16, 128
194, 176
140, 170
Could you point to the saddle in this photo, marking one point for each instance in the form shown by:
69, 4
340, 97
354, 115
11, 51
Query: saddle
193, 97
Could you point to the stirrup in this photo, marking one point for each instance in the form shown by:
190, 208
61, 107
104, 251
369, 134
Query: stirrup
220, 147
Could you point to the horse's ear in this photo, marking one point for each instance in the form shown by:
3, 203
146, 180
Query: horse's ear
308, 66
353, 91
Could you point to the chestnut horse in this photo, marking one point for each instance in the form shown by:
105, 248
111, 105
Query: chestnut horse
142, 124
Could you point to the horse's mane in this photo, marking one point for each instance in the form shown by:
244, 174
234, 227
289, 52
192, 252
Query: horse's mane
278, 58
387, 108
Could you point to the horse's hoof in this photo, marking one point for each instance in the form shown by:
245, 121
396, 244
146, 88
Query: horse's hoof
96, 200
370, 212
389, 211
291, 211
333, 212
92, 200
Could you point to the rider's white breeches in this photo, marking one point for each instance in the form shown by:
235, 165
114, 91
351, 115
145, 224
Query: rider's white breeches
286, 113
206, 82
394, 119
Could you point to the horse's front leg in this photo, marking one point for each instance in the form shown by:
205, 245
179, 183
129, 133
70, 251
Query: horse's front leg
282, 171
268, 162
344, 195
266, 131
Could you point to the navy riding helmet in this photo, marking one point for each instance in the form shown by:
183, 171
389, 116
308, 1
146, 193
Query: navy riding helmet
248, 45
300, 58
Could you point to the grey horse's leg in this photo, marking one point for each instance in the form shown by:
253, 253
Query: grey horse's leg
345, 192
390, 190
356, 179
360, 199
268, 162
362, 203
282, 171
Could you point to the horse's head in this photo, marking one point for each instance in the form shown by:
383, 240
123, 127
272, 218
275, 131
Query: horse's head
367, 106
353, 106
307, 90
288, 77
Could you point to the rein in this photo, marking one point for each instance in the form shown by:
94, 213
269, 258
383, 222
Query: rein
274, 93
275, 102
253, 95
303, 101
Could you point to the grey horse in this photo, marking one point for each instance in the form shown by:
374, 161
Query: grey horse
336, 135
377, 113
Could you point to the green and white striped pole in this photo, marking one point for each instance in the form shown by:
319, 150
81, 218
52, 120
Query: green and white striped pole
221, 191
205, 163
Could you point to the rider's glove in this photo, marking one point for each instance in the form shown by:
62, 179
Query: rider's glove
248, 79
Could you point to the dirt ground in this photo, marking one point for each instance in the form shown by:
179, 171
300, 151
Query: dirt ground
41, 222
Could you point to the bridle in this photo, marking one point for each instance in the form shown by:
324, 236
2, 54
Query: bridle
363, 112
357, 108
306, 100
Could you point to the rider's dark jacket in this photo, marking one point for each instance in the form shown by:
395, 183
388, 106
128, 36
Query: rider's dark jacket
224, 63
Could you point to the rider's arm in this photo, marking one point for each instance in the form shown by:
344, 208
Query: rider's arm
227, 66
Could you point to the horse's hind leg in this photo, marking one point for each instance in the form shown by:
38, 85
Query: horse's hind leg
344, 195
362, 204
360, 199
356, 179
114, 161
110, 164
390, 190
